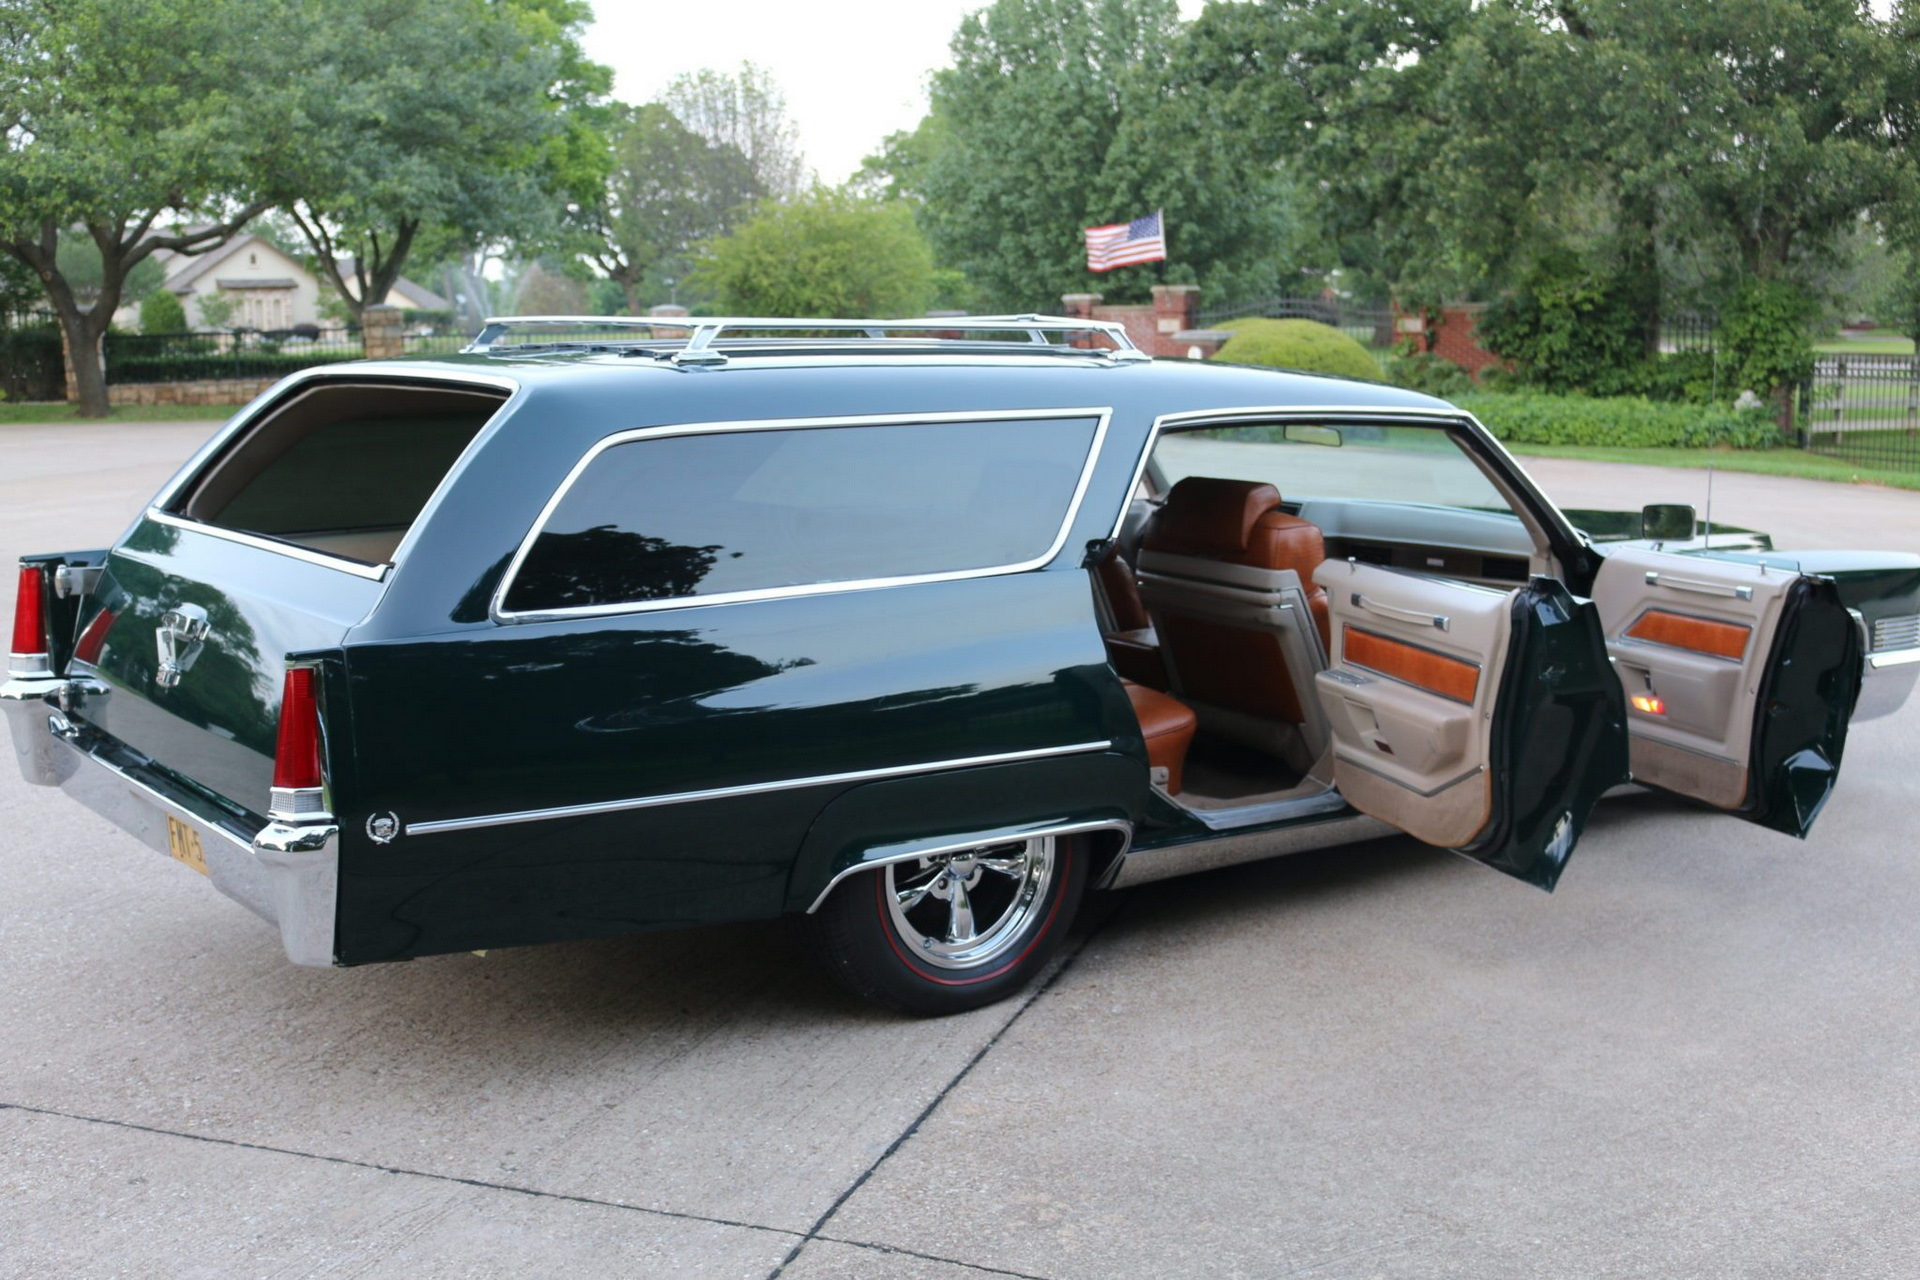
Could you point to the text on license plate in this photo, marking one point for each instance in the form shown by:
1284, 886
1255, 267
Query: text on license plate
183, 842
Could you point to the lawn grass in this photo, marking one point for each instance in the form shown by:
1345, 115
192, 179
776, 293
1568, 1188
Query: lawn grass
1768, 462
1873, 342
41, 411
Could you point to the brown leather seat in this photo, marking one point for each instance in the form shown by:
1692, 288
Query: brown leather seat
1240, 522
1132, 647
1168, 726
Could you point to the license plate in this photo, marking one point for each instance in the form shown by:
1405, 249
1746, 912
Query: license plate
183, 842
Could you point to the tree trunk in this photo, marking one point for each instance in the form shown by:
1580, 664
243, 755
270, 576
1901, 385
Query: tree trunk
1640, 268
86, 361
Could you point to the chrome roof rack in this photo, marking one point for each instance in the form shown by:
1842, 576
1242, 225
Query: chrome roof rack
706, 340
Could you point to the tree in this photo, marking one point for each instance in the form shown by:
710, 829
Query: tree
162, 312
747, 112
1011, 164
145, 126
828, 253
667, 188
464, 135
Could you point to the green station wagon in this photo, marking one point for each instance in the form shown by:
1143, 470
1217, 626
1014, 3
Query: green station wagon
918, 630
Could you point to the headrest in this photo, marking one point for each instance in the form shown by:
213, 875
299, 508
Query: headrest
1204, 513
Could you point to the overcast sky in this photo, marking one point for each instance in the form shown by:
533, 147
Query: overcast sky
853, 70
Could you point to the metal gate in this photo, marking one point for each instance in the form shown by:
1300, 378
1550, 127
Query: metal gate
1865, 409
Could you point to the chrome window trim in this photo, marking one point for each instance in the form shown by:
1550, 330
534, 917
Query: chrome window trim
277, 394
597, 808
1892, 658
293, 551
980, 840
1513, 474
497, 610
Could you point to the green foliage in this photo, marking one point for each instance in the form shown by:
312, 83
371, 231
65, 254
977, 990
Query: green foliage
1630, 422
215, 310
829, 253
1427, 373
1299, 344
468, 133
1569, 328
743, 113
1057, 115
1763, 338
161, 312
667, 188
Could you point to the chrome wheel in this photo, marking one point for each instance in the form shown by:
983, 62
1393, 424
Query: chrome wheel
958, 910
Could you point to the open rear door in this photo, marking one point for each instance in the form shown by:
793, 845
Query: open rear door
1477, 720
1739, 678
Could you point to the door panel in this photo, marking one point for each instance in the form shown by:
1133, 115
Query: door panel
1473, 719
1701, 646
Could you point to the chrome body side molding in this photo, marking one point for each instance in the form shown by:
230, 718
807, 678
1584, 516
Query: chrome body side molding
746, 789
1142, 866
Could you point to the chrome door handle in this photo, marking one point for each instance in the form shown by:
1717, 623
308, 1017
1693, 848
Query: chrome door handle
1438, 621
1700, 588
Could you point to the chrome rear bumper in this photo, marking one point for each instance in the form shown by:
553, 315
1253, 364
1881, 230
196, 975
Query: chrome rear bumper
1890, 677
286, 873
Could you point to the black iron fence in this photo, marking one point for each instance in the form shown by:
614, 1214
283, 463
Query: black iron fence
1371, 326
1864, 408
241, 353
33, 364
1686, 331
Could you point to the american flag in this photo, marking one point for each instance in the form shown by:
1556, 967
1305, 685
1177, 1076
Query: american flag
1124, 243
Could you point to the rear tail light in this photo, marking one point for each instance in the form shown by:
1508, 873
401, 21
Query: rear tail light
298, 783
30, 642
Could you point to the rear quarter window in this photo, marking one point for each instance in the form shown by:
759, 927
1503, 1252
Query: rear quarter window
339, 469
720, 514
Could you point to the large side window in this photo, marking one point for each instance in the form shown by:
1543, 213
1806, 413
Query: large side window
721, 513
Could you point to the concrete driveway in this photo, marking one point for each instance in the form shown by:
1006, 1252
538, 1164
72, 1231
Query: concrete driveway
1700, 1057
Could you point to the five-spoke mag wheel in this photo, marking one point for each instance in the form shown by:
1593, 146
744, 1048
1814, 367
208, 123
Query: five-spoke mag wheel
955, 930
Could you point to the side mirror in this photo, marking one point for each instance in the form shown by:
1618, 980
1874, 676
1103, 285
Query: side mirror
1667, 522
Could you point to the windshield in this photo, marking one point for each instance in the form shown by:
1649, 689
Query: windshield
1376, 464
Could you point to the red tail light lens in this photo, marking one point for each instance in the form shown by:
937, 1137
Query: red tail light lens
30, 622
296, 756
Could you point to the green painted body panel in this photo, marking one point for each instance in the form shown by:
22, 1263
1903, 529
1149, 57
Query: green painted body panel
1559, 735
659, 705
216, 727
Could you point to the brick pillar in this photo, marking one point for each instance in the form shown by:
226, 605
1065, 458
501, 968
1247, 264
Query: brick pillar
1080, 306
383, 333
667, 310
1174, 309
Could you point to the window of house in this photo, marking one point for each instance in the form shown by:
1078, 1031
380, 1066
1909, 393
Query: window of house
719, 514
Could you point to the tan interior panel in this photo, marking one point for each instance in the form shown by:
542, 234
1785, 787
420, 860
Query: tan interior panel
1690, 639
1409, 696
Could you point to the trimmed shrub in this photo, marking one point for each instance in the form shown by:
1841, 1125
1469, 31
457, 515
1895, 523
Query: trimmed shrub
162, 312
1299, 344
1622, 421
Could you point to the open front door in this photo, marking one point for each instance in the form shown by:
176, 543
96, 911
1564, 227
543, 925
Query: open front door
1478, 720
1739, 678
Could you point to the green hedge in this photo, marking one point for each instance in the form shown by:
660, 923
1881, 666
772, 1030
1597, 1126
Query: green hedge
1625, 422
1298, 344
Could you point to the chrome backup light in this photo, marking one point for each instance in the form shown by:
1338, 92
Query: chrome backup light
299, 780
29, 656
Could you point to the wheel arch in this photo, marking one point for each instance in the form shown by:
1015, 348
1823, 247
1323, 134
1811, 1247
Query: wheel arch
1097, 796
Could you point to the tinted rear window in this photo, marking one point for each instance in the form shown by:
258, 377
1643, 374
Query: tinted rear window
742, 511
340, 469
